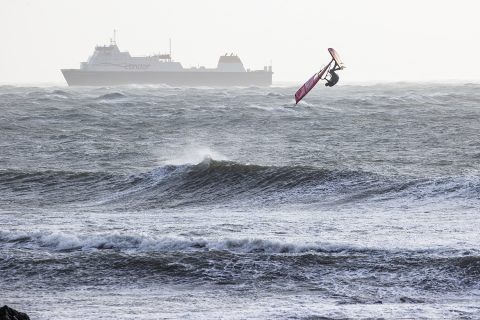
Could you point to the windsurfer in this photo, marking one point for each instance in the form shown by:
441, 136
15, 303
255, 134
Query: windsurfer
326, 73
333, 76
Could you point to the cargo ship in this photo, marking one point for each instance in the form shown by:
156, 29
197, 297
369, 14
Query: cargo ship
110, 66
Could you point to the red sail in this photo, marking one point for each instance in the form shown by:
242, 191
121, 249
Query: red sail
307, 86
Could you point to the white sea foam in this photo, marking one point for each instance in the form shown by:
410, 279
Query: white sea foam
62, 241
67, 241
193, 154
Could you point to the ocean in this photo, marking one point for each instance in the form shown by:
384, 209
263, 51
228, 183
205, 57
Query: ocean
153, 202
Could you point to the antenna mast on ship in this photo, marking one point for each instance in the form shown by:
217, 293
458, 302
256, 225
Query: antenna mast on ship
170, 47
113, 42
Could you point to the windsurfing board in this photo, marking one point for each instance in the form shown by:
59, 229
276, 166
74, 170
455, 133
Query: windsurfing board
336, 57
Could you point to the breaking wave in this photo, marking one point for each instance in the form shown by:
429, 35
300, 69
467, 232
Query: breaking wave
256, 262
117, 241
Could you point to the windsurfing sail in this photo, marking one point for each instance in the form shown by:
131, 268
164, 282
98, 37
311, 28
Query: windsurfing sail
307, 86
321, 75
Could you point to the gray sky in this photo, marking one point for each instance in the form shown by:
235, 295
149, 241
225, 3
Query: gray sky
378, 40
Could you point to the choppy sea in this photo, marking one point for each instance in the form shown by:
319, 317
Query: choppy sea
152, 202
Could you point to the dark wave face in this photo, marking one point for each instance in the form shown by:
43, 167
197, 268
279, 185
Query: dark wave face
213, 182
159, 202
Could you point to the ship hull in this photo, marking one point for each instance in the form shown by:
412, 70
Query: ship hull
78, 77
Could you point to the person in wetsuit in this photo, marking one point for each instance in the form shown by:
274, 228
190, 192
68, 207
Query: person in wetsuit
333, 76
